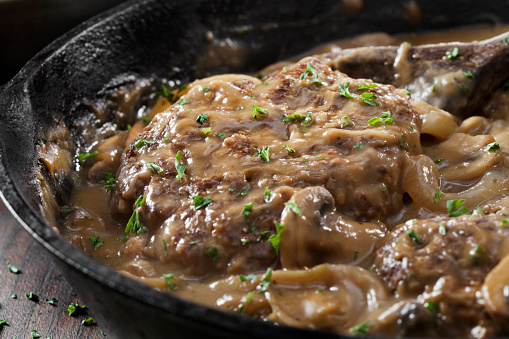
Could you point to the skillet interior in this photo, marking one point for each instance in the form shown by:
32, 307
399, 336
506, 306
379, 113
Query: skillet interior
158, 40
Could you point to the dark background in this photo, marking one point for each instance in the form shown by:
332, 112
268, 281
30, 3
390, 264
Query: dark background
26, 26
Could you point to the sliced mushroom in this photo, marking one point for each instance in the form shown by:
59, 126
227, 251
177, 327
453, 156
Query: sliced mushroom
495, 289
321, 234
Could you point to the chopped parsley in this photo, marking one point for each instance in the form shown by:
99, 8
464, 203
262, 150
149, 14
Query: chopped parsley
134, 225
464, 88
96, 241
85, 156
367, 86
12, 268
192, 243
34, 334
274, 239
220, 136
455, 209
288, 148
309, 69
492, 147
361, 329
263, 235
412, 235
202, 118
244, 241
181, 168
438, 196
385, 119
110, 181
503, 222
431, 306
244, 278
32, 296
201, 202
347, 123
164, 244
184, 102
3, 322
41, 141
211, 253
355, 255
75, 308
246, 211
244, 190
14, 296
476, 253
257, 110
506, 41
264, 286
403, 144
293, 206
365, 97
87, 322
264, 153
170, 281
171, 97
52, 301
154, 167
266, 196
67, 210
207, 131
143, 142
469, 74
145, 120
442, 229
360, 145
439, 161
304, 119
451, 55
204, 89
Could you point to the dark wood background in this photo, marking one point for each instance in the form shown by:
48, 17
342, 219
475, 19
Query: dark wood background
38, 274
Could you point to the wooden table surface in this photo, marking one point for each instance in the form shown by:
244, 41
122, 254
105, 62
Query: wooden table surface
38, 274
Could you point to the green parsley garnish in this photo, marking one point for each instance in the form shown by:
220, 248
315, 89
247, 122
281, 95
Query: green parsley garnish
244, 190
3, 322
274, 239
244, 241
264, 153
492, 147
110, 181
288, 148
464, 88
202, 118
506, 41
75, 308
347, 123
204, 89
403, 144
503, 222
52, 301
164, 244
143, 142
453, 54
439, 161
263, 235
431, 306
309, 69
475, 254
455, 209
469, 74
85, 156
304, 119
201, 202
34, 334
264, 286
181, 168
360, 145
247, 277
212, 253
246, 211
266, 196
184, 102
192, 243
96, 241
355, 255
361, 329
170, 281
172, 98
438, 196
145, 120
220, 136
257, 110
365, 97
442, 229
14, 296
134, 225
293, 206
385, 119
12, 268
154, 167
413, 236
207, 131
32, 296
87, 322
41, 141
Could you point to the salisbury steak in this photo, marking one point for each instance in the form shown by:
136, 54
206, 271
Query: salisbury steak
243, 142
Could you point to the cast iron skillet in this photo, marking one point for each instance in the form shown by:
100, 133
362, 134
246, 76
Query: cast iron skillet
150, 39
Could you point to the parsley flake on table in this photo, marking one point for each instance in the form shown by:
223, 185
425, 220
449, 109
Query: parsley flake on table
293, 206
12, 268
257, 110
274, 239
96, 241
181, 168
52, 301
201, 202
134, 224
87, 322
75, 308
3, 322
169, 279
110, 181
32, 296
202, 118
154, 167
85, 156
34, 334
